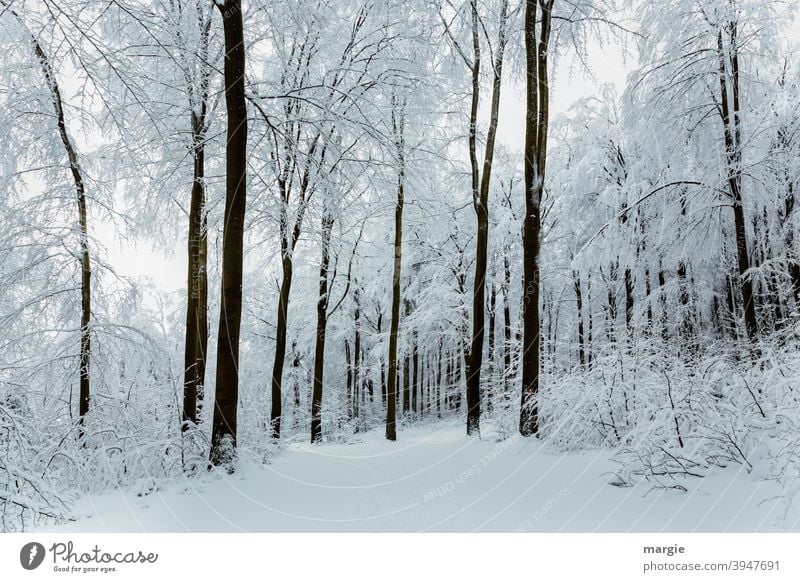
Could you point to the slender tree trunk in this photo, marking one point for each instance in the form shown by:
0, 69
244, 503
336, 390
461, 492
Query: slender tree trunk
629, 302
506, 324
296, 384
480, 198
196, 341
280, 346
398, 124
490, 368
589, 322
406, 384
647, 291
536, 128
322, 327
349, 368
83, 228
731, 120
357, 352
794, 264
576, 278
662, 284
223, 437
438, 396
415, 376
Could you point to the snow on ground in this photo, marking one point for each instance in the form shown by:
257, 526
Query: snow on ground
434, 479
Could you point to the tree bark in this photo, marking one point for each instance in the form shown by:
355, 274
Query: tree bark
536, 128
398, 125
223, 437
322, 326
731, 120
480, 199
84, 374
357, 355
196, 339
506, 324
576, 278
490, 368
415, 375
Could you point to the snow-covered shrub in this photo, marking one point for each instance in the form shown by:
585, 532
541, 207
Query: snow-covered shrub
28, 495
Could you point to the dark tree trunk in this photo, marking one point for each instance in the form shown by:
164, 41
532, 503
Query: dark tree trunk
398, 124
223, 437
415, 376
480, 199
458, 375
576, 277
536, 128
611, 305
683, 297
406, 384
731, 120
794, 264
83, 225
647, 291
357, 353
629, 302
506, 325
590, 323
349, 369
438, 394
84, 373
296, 384
280, 347
322, 327
490, 368
196, 340
662, 284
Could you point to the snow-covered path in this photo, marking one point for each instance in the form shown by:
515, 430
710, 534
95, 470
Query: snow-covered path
433, 479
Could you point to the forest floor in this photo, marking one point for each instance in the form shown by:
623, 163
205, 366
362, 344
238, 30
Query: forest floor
434, 478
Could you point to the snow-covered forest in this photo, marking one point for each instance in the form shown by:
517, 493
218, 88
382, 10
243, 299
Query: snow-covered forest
371, 263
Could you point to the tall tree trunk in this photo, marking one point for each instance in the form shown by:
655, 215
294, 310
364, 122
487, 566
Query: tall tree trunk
480, 199
398, 125
731, 120
196, 340
84, 374
223, 436
536, 127
322, 327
